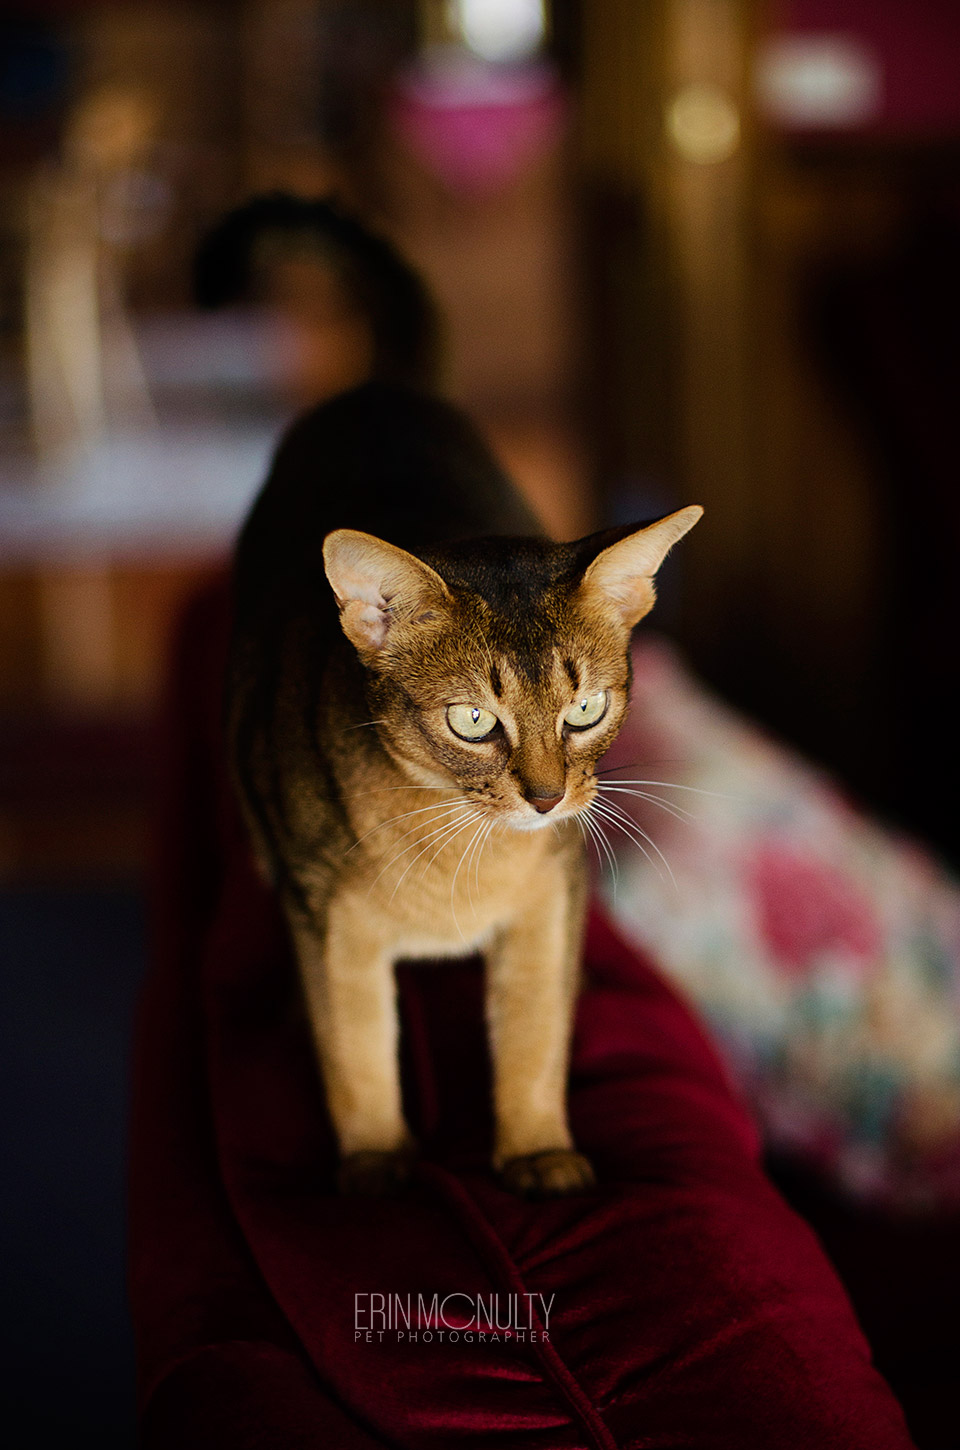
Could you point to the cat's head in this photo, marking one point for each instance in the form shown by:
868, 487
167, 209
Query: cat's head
500, 667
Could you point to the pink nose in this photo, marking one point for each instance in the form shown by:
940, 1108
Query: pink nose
544, 803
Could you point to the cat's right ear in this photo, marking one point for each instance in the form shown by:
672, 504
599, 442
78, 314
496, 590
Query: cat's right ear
378, 587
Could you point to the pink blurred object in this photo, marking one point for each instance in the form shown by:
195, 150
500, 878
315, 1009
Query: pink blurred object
823, 949
807, 907
476, 126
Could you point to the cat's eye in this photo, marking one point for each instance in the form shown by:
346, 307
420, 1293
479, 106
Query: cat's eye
588, 710
470, 722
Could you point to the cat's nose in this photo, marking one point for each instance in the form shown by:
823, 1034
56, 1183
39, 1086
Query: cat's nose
544, 803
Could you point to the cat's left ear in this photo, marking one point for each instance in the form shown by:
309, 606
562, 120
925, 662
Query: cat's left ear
621, 576
378, 587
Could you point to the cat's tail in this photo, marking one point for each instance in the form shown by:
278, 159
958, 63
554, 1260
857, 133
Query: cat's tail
383, 287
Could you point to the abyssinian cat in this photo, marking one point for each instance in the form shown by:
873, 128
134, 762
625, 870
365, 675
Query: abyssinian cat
421, 686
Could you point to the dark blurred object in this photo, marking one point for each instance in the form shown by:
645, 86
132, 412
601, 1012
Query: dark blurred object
73, 797
626, 377
81, 651
72, 962
903, 1276
34, 72
888, 336
240, 258
702, 380
359, 44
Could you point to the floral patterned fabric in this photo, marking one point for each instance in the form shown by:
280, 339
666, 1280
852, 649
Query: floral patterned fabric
823, 950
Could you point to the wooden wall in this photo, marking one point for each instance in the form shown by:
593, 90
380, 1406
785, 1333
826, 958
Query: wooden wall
707, 384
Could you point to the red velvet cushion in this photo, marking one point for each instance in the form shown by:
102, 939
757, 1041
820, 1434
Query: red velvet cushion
691, 1307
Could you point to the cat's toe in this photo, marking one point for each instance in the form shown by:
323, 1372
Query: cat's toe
549, 1175
372, 1174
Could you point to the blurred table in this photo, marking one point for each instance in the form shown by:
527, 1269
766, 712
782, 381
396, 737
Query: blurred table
95, 553
97, 556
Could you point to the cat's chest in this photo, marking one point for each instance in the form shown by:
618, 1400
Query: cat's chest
449, 896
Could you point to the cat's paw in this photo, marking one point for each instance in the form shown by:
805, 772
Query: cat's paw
372, 1174
552, 1174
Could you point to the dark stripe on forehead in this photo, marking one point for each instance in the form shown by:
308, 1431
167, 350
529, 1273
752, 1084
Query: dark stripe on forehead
496, 684
526, 643
572, 671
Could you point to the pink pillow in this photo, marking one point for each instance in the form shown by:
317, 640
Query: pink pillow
823, 949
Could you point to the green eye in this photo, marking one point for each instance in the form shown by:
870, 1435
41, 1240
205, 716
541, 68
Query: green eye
470, 722
587, 711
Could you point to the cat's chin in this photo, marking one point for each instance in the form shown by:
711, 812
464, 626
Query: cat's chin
538, 822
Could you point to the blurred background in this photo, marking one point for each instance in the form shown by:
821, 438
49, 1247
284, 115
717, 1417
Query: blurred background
687, 251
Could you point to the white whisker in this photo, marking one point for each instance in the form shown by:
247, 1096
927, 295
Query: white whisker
619, 818
442, 843
582, 832
383, 789
589, 836
439, 839
599, 835
453, 884
474, 847
438, 809
596, 806
419, 841
483, 843
675, 785
679, 813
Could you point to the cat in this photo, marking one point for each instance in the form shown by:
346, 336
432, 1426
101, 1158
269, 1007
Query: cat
420, 688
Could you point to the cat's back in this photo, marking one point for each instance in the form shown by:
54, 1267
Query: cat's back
385, 458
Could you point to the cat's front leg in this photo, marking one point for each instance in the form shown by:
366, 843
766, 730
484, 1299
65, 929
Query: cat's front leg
531, 987
350, 989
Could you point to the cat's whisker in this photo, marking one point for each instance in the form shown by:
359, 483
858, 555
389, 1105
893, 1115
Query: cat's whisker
596, 830
589, 837
439, 809
383, 789
636, 765
476, 845
364, 725
723, 795
417, 811
442, 842
453, 884
610, 853
417, 842
439, 813
595, 805
582, 831
626, 824
483, 843
471, 849
678, 812
438, 838
614, 863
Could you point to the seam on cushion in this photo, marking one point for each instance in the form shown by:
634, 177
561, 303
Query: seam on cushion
498, 1258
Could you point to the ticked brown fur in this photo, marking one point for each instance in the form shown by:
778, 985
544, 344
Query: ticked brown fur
388, 835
